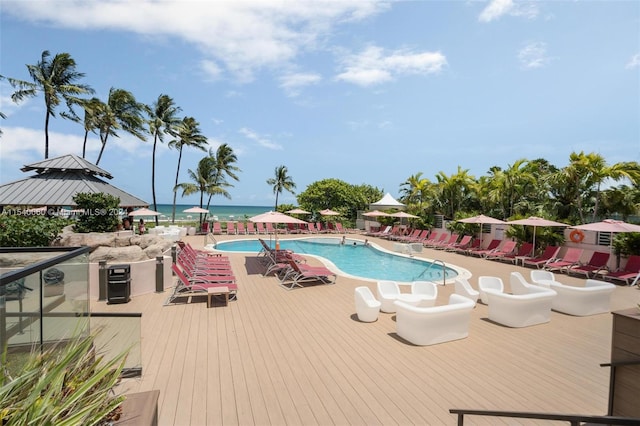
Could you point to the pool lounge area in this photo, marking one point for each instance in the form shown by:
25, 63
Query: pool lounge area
301, 357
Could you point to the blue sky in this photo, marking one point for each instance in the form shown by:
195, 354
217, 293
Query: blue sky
367, 92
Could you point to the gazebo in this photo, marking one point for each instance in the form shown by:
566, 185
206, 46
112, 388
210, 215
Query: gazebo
58, 180
387, 202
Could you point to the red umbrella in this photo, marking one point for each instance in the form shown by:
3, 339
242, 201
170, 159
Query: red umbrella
481, 219
375, 213
275, 217
329, 212
609, 225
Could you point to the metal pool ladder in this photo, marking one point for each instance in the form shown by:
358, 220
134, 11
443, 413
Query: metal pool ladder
444, 270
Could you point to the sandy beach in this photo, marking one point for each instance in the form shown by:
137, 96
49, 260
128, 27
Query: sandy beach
301, 357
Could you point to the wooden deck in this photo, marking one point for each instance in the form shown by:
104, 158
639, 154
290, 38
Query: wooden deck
300, 357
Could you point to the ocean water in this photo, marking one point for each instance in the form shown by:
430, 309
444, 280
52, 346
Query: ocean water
221, 213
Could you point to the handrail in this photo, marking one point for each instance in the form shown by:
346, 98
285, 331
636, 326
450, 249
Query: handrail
612, 378
621, 363
573, 419
444, 270
209, 236
11, 276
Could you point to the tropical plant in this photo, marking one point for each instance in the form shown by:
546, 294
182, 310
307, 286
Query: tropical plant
224, 161
121, 111
92, 108
100, 212
68, 384
280, 182
202, 179
56, 79
29, 231
163, 119
454, 192
188, 135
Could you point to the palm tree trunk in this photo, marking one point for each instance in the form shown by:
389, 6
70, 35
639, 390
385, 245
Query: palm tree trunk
84, 143
153, 176
175, 191
46, 135
104, 143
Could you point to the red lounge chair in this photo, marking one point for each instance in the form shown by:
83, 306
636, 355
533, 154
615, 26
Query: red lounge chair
312, 228
464, 242
453, 239
597, 263
186, 288
523, 253
507, 248
493, 245
270, 228
217, 229
299, 274
550, 253
241, 229
629, 274
260, 228
571, 257
339, 228
231, 228
435, 243
475, 245
251, 229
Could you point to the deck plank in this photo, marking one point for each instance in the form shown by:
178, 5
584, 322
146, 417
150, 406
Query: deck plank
301, 357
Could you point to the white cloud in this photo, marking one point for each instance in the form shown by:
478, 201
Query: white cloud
261, 140
498, 8
243, 36
293, 83
533, 55
372, 67
634, 62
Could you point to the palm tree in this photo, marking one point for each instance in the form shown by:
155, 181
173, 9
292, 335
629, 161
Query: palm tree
121, 111
224, 166
188, 135
55, 78
281, 181
416, 190
163, 119
92, 108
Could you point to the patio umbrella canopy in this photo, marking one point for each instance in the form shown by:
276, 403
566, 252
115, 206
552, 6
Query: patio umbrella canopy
535, 222
275, 217
143, 212
329, 212
481, 219
298, 211
609, 225
195, 210
375, 213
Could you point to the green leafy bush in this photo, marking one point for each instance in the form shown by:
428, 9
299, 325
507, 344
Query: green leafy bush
29, 231
101, 212
64, 385
627, 243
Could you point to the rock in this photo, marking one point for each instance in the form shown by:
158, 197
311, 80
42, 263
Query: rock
118, 254
123, 241
154, 251
149, 240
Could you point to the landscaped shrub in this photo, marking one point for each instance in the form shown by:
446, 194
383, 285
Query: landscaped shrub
101, 212
29, 231
627, 243
68, 384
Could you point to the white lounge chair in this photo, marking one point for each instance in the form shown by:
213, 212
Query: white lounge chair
388, 292
367, 307
485, 283
427, 291
592, 299
520, 310
434, 324
464, 288
542, 277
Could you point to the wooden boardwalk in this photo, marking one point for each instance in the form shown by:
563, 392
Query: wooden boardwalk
300, 357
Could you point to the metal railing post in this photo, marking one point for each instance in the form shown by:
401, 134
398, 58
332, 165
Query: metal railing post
174, 253
159, 274
102, 280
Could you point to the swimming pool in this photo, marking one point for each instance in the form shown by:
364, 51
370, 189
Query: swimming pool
354, 258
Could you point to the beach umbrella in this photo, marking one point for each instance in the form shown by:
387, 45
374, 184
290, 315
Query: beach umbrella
298, 211
481, 220
329, 212
275, 217
535, 222
375, 213
143, 212
609, 225
403, 215
195, 210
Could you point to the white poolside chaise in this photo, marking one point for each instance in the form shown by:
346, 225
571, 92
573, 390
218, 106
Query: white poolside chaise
592, 299
434, 324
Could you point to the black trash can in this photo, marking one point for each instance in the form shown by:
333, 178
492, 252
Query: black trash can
118, 283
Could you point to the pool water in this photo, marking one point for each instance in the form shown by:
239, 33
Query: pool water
353, 258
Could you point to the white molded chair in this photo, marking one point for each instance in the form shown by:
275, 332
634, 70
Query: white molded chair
388, 292
485, 283
594, 298
463, 288
521, 286
427, 291
542, 278
521, 310
367, 307
434, 324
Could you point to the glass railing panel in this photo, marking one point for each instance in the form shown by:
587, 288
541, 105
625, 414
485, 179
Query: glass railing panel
118, 333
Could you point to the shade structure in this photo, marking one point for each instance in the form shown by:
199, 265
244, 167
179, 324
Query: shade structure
195, 210
387, 202
329, 212
609, 225
143, 212
481, 220
403, 215
535, 222
375, 213
298, 211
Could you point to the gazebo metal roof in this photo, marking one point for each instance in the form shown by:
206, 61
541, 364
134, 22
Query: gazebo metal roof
58, 180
